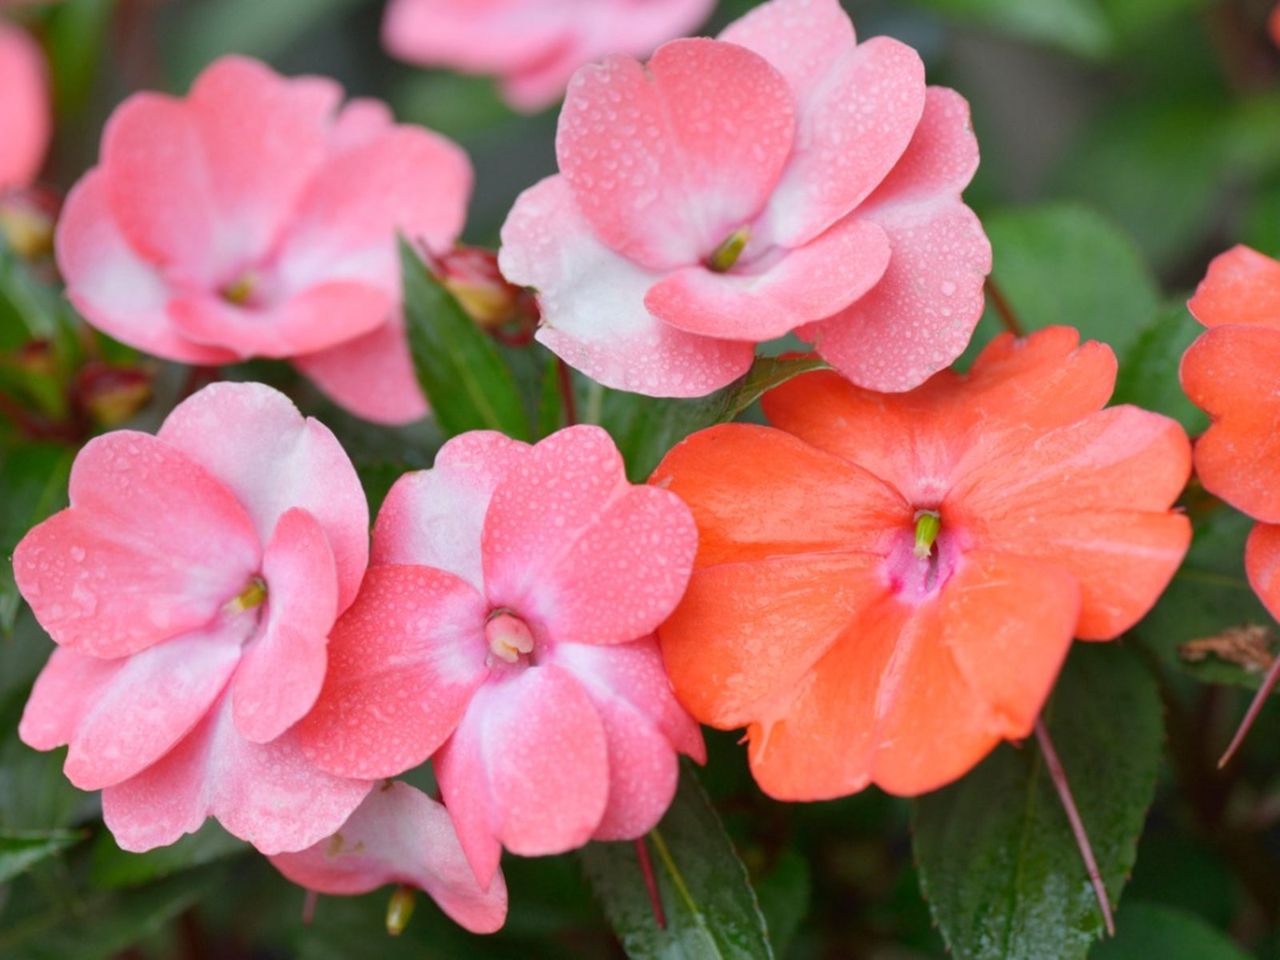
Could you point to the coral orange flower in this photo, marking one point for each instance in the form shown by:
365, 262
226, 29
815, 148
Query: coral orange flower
886, 584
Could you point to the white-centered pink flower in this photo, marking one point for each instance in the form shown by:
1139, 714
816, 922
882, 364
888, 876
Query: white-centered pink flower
254, 218
532, 46
400, 835
191, 586
780, 178
25, 115
507, 622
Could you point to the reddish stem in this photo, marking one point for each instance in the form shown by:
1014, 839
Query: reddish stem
1059, 777
565, 376
1005, 311
309, 907
650, 882
1255, 707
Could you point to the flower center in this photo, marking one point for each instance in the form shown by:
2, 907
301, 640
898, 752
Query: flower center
241, 290
509, 637
922, 558
726, 255
253, 595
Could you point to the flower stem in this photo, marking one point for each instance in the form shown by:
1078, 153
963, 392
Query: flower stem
650, 882
1255, 707
1003, 308
567, 400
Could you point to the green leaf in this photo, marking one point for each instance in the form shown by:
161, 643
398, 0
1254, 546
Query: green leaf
1152, 930
1148, 374
114, 868
18, 851
646, 428
1075, 25
998, 862
77, 32
34, 480
1062, 264
784, 894
710, 907
460, 370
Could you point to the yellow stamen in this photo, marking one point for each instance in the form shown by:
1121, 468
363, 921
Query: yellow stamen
240, 290
928, 526
399, 910
727, 254
254, 595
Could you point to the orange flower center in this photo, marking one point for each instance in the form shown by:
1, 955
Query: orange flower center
922, 557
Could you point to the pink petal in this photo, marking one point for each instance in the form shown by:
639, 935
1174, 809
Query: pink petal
151, 547
592, 302
400, 835
361, 120
158, 185
134, 717
283, 668
371, 376
25, 113
802, 39
255, 441
403, 664
535, 745
62, 695
267, 794
922, 313
498, 36
111, 284
667, 160
570, 543
264, 137
853, 126
645, 728
810, 283
435, 518
323, 316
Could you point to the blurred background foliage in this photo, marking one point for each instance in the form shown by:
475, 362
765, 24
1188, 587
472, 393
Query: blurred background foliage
1124, 142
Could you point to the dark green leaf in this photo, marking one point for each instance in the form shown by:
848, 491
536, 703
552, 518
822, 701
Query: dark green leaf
77, 32
34, 480
1076, 25
710, 907
1148, 374
18, 851
997, 859
460, 370
646, 428
113, 867
784, 898
1146, 931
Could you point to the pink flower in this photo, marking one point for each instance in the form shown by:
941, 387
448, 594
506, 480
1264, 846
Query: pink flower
400, 835
254, 218
508, 622
190, 587
532, 45
780, 178
25, 121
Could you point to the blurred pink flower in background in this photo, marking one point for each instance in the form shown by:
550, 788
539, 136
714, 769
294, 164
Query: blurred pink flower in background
783, 178
400, 835
507, 622
533, 46
26, 122
255, 218
190, 587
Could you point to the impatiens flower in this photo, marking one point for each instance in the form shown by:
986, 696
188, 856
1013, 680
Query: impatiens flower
887, 585
25, 119
190, 587
256, 219
400, 835
532, 45
507, 622
780, 178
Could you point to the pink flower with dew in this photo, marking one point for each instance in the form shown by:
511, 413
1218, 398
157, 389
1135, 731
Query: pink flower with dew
782, 178
254, 218
533, 46
25, 117
400, 835
507, 622
191, 586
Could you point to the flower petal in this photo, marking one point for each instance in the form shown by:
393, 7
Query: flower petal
284, 666
668, 159
371, 376
1241, 287
802, 39
404, 662
1262, 560
399, 835
570, 543
255, 441
1229, 373
151, 547
435, 518
25, 113
592, 303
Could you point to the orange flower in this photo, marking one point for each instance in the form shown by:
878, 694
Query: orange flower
887, 584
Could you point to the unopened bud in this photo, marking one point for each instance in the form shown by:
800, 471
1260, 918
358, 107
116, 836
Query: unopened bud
112, 395
471, 274
27, 218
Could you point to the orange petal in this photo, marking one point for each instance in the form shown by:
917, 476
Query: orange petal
757, 492
1262, 560
1241, 287
1230, 372
917, 440
1092, 498
747, 633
